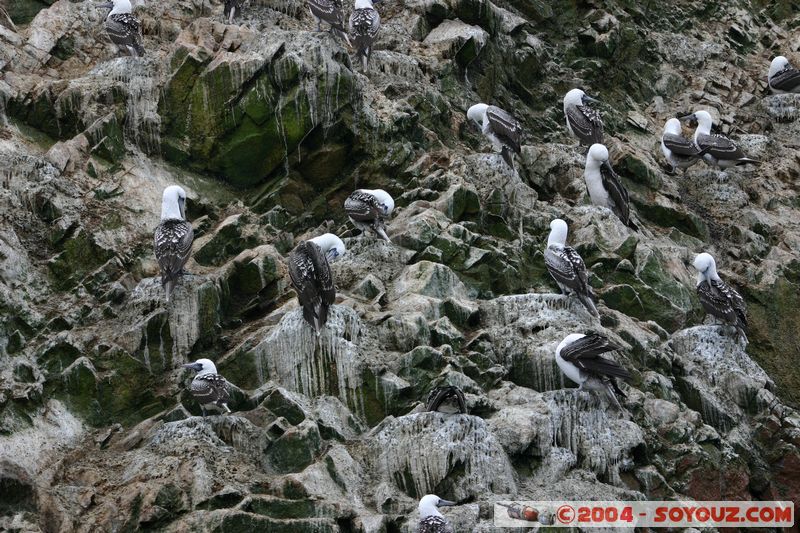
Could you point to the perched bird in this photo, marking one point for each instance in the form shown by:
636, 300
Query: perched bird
718, 150
209, 388
567, 267
578, 357
604, 186
448, 399
783, 77
330, 12
123, 28
312, 278
679, 151
719, 299
583, 121
502, 129
231, 9
430, 519
368, 209
173, 237
364, 25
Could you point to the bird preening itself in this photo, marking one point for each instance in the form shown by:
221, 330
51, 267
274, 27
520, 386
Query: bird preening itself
123, 28
579, 358
330, 12
364, 25
430, 519
502, 129
583, 121
209, 388
680, 152
368, 210
718, 150
719, 299
173, 237
604, 186
448, 399
312, 279
567, 267
783, 77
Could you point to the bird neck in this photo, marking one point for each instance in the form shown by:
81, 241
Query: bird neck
557, 239
170, 209
363, 4
426, 511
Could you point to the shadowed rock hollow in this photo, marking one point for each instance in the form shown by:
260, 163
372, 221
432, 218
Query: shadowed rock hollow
268, 127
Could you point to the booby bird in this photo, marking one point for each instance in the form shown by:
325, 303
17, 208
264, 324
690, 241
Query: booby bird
679, 151
783, 77
173, 237
604, 186
330, 12
578, 357
567, 267
502, 129
209, 388
364, 25
311, 276
123, 28
448, 399
719, 151
719, 299
231, 9
430, 519
368, 209
583, 122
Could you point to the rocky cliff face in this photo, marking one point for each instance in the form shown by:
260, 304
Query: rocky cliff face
269, 127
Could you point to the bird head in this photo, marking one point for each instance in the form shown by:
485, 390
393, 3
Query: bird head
477, 112
777, 65
118, 7
706, 266
385, 200
202, 366
331, 245
558, 232
703, 119
429, 503
577, 97
673, 126
173, 203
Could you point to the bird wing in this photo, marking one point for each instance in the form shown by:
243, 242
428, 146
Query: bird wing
567, 267
716, 301
680, 145
506, 127
735, 299
586, 123
364, 24
173, 240
434, 524
786, 80
617, 192
210, 388
438, 395
323, 274
327, 11
363, 207
585, 354
719, 146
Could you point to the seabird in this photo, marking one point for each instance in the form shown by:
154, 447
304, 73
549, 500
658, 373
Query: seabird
567, 267
331, 12
448, 399
783, 77
719, 299
583, 121
430, 519
368, 209
364, 25
231, 9
679, 151
311, 276
173, 237
578, 357
209, 388
718, 150
604, 186
502, 129
123, 28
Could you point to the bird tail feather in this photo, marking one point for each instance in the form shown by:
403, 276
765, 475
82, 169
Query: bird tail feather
508, 157
610, 392
587, 302
745, 160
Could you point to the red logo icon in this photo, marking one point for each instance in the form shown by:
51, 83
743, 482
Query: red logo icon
565, 514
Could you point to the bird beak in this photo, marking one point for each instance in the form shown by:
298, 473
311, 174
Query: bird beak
107, 5
687, 117
446, 503
197, 367
606, 165
587, 98
182, 207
